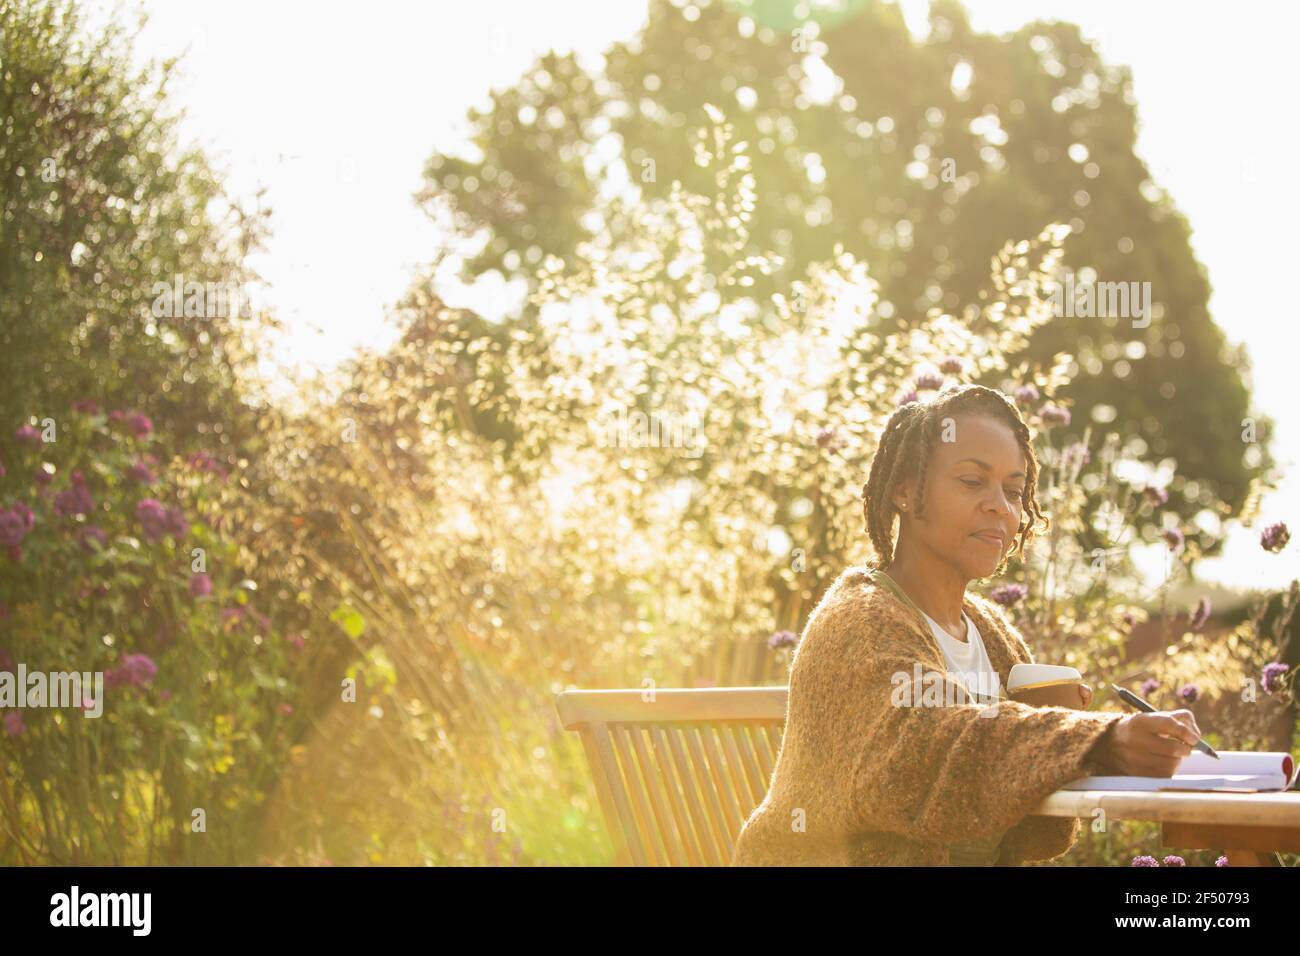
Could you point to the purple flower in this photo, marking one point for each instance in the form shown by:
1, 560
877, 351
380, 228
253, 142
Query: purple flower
951, 365
177, 526
1077, 452
28, 435
140, 472
7, 662
75, 500
782, 639
86, 406
1055, 415
25, 513
14, 725
908, 397
1172, 860
153, 518
1201, 614
1026, 394
1149, 687
828, 439
1272, 679
1173, 537
13, 528
200, 585
1222, 861
1009, 595
44, 475
1158, 495
134, 670
1275, 537
140, 424
1189, 693
92, 537
203, 461
927, 382
297, 640
1144, 861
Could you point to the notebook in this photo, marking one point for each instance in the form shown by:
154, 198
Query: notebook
1235, 770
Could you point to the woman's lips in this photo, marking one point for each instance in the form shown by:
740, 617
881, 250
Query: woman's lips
988, 539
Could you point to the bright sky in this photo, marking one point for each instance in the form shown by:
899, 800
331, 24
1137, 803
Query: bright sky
335, 110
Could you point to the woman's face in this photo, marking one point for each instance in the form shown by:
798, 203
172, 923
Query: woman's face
974, 496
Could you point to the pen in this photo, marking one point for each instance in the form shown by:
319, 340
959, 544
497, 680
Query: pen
1134, 700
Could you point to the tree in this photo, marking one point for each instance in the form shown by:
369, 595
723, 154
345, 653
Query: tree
99, 210
921, 158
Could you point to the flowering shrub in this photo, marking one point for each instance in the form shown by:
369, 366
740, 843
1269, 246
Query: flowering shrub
113, 563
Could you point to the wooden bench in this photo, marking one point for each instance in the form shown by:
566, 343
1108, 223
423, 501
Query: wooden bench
677, 771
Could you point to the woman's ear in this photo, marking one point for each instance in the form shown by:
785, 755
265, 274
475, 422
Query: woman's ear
903, 497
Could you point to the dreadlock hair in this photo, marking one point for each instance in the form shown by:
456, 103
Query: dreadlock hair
903, 452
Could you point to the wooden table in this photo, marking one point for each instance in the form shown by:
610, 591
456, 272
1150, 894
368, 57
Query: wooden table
1243, 825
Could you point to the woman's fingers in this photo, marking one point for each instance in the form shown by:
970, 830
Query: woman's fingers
1187, 717
1170, 725
1166, 747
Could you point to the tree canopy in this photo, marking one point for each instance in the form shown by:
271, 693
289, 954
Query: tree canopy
919, 157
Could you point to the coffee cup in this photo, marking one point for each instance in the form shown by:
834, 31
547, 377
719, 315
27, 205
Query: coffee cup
1046, 685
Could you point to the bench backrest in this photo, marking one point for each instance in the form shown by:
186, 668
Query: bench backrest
677, 771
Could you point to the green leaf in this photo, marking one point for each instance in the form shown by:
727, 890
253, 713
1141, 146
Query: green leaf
348, 618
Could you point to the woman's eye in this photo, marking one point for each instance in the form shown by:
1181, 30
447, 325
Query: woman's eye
975, 483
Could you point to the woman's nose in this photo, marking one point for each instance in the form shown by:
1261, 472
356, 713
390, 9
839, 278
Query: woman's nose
1001, 504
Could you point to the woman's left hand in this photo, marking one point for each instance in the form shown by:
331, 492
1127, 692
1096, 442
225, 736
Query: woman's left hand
1085, 692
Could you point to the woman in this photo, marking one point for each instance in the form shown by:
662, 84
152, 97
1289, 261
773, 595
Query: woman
866, 777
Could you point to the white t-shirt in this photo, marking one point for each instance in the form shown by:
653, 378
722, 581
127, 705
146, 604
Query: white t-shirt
968, 662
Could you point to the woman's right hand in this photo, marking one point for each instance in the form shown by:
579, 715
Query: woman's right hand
1148, 745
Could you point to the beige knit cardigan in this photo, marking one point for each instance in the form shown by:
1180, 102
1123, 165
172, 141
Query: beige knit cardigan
860, 781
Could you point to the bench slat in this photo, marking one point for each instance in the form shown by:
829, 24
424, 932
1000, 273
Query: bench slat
707, 782
690, 841
766, 762
734, 812
644, 828
616, 801
677, 772
674, 850
712, 854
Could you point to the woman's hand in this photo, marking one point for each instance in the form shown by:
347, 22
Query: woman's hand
1148, 745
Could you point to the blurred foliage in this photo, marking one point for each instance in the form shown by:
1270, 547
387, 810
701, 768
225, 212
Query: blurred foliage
97, 203
919, 158
126, 569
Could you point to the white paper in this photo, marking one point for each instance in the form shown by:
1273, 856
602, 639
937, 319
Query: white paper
1235, 770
